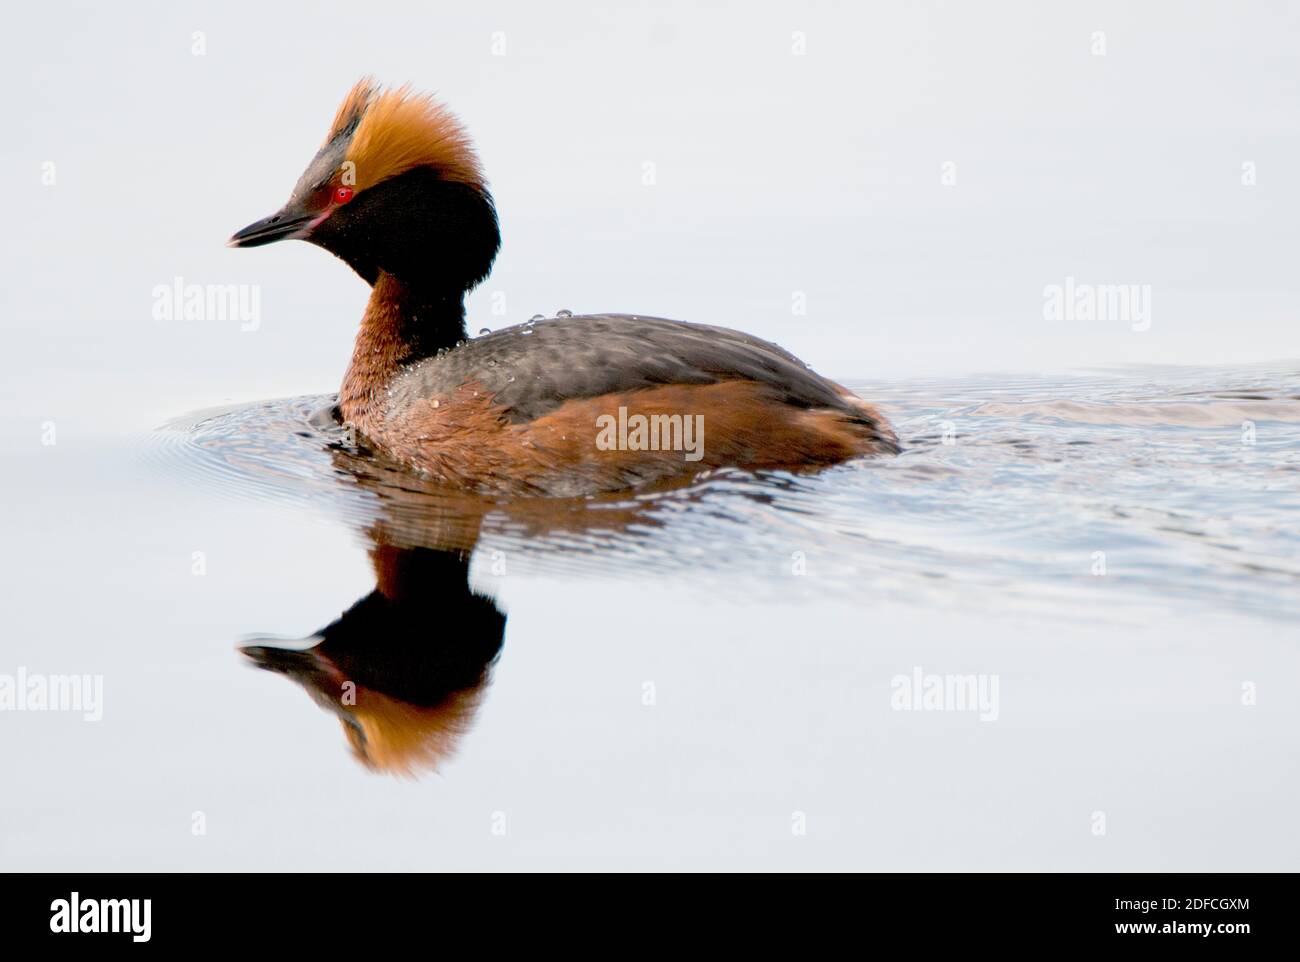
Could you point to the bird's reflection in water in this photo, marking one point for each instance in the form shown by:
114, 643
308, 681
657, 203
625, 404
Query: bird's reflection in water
405, 668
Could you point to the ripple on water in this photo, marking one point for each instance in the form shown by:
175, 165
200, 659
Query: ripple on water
1010, 494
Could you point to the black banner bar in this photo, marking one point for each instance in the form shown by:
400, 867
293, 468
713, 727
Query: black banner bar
210, 911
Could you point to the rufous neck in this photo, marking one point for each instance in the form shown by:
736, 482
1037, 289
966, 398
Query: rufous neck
403, 323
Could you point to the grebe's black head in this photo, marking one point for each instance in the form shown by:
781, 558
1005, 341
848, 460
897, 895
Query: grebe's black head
396, 187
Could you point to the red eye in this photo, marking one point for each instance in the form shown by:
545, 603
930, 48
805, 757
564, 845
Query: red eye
342, 195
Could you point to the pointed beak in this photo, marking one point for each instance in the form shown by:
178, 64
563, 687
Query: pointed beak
283, 225
303, 665
273, 659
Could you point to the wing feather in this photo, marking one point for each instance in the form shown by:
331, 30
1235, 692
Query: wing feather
532, 369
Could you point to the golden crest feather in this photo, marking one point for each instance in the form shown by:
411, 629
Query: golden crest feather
393, 131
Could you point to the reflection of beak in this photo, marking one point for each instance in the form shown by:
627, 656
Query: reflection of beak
320, 676
386, 733
274, 659
283, 225
300, 663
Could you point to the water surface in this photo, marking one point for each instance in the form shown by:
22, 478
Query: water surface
697, 677
1188, 481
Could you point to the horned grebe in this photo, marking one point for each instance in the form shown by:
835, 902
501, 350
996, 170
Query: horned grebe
564, 406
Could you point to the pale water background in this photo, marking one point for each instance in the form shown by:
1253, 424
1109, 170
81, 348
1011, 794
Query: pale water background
776, 175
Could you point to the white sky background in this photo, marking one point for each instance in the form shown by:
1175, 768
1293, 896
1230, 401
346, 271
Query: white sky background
775, 172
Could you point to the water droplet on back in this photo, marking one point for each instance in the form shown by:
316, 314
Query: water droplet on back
564, 312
